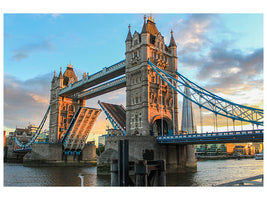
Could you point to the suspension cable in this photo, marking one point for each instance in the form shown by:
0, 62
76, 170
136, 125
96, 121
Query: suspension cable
212, 102
216, 122
173, 122
161, 107
234, 124
200, 112
227, 123
201, 122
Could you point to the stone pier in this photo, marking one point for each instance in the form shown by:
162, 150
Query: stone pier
177, 157
52, 155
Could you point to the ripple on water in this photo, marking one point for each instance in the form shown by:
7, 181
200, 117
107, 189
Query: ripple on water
209, 173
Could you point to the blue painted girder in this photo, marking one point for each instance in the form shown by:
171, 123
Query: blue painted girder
212, 138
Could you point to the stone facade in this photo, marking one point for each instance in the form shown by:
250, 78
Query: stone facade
62, 109
51, 155
148, 99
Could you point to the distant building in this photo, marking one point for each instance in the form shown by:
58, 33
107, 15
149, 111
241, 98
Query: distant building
32, 128
101, 140
210, 149
244, 148
240, 149
22, 134
43, 137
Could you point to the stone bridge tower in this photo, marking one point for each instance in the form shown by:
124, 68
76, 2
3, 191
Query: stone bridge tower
152, 107
62, 109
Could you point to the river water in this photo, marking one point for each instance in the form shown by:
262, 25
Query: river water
211, 172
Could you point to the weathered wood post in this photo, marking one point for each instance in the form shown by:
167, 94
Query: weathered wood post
161, 173
114, 173
141, 173
123, 165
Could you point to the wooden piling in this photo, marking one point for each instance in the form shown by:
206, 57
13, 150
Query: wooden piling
161, 174
114, 173
123, 165
141, 173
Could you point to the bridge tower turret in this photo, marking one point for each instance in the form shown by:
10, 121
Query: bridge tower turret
62, 109
152, 107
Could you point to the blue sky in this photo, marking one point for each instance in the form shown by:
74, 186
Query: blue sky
221, 52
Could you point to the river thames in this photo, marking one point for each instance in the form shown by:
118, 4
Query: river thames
209, 173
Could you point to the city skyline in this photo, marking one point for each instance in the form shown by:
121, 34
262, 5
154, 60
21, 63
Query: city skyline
221, 52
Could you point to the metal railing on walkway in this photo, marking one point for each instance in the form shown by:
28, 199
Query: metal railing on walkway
252, 181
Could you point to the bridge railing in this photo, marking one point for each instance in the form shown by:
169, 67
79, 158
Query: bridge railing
209, 135
104, 71
102, 87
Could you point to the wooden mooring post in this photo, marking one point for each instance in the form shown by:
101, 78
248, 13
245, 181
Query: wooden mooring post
141, 173
147, 173
114, 173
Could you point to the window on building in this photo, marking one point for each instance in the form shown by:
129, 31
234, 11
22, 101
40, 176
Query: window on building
136, 99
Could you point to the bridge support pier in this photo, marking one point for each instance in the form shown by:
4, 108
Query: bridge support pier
52, 155
178, 158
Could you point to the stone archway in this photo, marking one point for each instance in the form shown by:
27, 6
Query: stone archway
156, 126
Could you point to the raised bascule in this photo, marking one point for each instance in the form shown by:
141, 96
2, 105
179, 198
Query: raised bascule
150, 119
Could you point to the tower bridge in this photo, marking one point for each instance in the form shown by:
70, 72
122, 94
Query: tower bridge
150, 119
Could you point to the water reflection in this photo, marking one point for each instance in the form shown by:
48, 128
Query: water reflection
209, 173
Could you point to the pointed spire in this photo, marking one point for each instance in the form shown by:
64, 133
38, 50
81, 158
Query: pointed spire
144, 29
69, 65
172, 41
60, 74
150, 18
188, 122
55, 76
129, 36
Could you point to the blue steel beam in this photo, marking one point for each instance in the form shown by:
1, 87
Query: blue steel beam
105, 74
35, 135
213, 138
110, 118
103, 88
210, 101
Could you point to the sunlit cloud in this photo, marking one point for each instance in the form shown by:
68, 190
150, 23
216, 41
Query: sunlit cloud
39, 99
27, 50
217, 66
25, 101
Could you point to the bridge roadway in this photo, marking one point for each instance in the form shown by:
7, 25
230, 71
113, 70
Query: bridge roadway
213, 138
105, 74
103, 88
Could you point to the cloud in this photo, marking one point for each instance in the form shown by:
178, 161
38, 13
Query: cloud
25, 51
216, 62
25, 101
55, 15
191, 33
233, 71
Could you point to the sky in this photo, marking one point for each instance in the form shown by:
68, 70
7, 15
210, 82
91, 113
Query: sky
220, 52
34, 45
